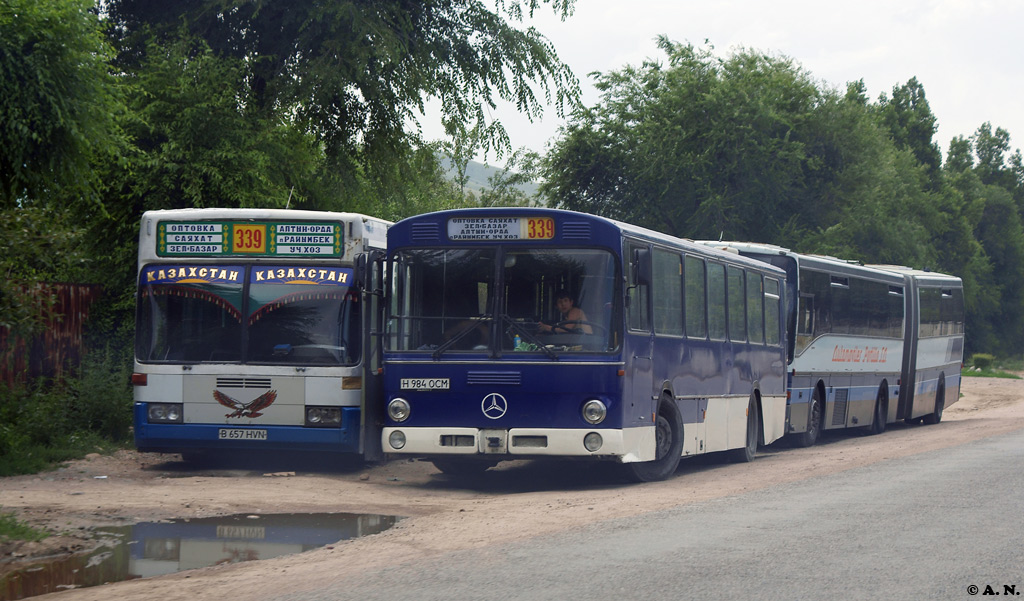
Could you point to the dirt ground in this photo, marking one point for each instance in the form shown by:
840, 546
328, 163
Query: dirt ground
518, 500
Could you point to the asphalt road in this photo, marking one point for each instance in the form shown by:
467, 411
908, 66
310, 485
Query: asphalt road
928, 526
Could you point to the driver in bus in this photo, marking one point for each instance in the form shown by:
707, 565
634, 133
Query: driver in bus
571, 318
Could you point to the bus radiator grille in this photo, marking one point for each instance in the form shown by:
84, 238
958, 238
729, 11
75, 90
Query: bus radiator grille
243, 382
488, 378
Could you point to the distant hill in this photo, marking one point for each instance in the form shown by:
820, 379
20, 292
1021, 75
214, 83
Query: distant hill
479, 176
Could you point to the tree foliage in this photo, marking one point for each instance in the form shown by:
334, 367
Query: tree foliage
355, 74
750, 147
58, 117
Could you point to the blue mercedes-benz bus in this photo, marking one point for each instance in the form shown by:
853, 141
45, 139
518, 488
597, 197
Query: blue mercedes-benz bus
526, 332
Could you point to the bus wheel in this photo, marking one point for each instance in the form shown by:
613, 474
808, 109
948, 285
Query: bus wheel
462, 468
881, 413
809, 437
940, 402
668, 432
746, 453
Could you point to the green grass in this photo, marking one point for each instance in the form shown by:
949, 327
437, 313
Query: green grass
12, 529
990, 373
31, 458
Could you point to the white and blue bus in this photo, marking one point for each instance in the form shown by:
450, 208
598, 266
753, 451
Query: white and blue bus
855, 339
252, 332
933, 353
526, 332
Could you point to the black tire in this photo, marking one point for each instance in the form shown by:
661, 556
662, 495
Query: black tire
940, 403
668, 446
462, 467
810, 437
881, 412
748, 451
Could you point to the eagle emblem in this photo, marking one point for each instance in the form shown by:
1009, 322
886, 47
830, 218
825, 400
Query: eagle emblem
250, 409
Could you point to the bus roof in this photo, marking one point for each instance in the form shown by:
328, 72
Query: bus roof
403, 230
923, 276
823, 262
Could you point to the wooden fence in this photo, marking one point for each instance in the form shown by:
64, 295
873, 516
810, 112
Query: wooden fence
63, 309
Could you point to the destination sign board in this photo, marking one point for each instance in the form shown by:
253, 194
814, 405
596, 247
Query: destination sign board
501, 228
249, 238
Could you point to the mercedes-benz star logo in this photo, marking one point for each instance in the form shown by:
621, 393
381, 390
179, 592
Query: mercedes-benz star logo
494, 405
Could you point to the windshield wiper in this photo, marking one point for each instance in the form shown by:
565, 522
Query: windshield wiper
529, 336
447, 344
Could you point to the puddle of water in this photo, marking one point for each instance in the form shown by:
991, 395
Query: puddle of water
154, 548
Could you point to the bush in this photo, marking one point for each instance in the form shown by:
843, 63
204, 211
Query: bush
46, 422
982, 361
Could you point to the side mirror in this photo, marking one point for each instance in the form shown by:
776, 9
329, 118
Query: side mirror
641, 271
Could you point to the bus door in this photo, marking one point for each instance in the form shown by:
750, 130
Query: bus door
639, 348
911, 330
370, 274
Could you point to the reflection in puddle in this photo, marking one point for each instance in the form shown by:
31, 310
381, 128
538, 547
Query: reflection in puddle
154, 548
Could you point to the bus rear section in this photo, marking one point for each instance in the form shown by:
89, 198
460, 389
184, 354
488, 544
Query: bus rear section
532, 333
249, 349
934, 351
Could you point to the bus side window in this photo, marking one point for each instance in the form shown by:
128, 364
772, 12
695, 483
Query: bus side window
668, 293
772, 312
696, 299
737, 304
755, 307
716, 301
805, 322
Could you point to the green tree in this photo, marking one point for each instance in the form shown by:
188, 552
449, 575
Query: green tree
60, 103
908, 117
699, 146
356, 74
747, 148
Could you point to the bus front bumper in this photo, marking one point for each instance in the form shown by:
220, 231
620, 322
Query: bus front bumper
185, 438
628, 445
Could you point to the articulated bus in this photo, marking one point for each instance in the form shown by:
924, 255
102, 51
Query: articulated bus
527, 333
934, 349
252, 332
855, 339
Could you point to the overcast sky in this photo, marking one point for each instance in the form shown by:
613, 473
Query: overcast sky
967, 54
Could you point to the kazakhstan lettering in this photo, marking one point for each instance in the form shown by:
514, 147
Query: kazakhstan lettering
201, 273
873, 354
301, 273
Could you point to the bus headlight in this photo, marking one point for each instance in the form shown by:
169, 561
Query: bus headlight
594, 411
323, 417
593, 441
396, 439
164, 413
398, 410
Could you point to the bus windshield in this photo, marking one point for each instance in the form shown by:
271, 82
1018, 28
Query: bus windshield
304, 316
498, 300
